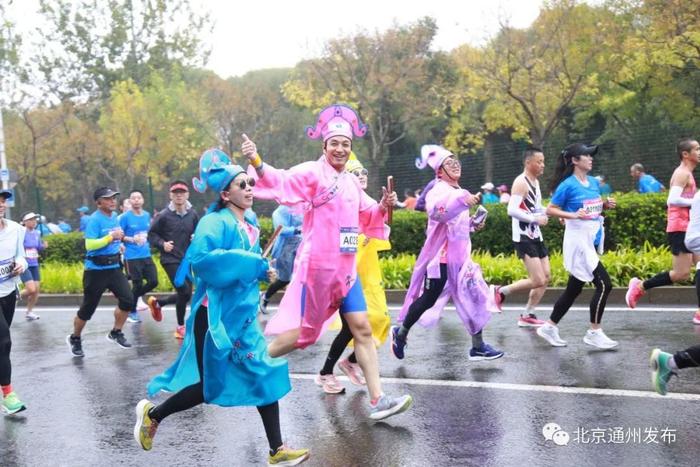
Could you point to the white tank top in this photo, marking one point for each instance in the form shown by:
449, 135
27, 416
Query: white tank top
531, 204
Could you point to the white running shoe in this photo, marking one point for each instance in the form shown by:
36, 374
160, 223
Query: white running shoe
31, 316
597, 338
141, 305
550, 333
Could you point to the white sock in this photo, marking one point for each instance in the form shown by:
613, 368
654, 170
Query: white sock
672, 364
505, 290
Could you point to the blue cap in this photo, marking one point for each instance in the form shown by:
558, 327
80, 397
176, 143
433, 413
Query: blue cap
83, 209
7, 194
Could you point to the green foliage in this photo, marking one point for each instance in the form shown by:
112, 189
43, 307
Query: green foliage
66, 249
622, 265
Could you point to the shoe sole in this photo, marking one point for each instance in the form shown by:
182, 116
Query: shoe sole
528, 325
9, 413
112, 340
627, 296
139, 422
602, 347
297, 461
70, 347
496, 301
696, 321
551, 342
654, 364
320, 384
393, 411
481, 358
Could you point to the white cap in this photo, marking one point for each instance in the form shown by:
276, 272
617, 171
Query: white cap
30, 215
487, 186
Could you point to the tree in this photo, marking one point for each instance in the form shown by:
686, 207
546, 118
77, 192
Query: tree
392, 78
90, 44
526, 80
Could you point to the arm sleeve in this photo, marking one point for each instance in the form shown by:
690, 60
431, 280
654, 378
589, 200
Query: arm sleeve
442, 205
154, 236
288, 187
675, 198
97, 243
515, 211
19, 252
219, 267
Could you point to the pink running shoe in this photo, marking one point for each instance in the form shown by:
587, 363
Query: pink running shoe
497, 298
329, 383
634, 292
179, 332
529, 321
696, 318
352, 371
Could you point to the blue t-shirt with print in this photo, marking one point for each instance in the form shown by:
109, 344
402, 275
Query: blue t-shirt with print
571, 195
648, 184
136, 226
98, 226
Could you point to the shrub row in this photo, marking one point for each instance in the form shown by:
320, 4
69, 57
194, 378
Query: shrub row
622, 265
637, 220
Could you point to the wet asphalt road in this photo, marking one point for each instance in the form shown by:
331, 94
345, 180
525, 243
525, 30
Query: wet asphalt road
80, 412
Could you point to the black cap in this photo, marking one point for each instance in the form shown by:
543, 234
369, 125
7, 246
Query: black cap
104, 192
580, 149
7, 194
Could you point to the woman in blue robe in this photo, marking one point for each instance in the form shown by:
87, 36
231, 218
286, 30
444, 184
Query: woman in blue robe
223, 359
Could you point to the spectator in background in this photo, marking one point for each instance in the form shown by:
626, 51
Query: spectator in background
489, 196
83, 213
410, 201
64, 226
605, 188
645, 183
42, 227
504, 196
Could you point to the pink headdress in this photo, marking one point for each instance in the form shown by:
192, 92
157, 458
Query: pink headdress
337, 120
432, 155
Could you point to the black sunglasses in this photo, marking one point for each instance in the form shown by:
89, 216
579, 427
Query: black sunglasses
245, 183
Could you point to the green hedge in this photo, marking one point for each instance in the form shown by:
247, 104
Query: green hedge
638, 219
622, 265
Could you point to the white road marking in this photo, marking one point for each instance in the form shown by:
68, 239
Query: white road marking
524, 387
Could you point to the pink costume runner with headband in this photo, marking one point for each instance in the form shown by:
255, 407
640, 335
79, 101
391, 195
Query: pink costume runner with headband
336, 210
449, 222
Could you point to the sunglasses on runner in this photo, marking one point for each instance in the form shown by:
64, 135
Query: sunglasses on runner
245, 183
357, 173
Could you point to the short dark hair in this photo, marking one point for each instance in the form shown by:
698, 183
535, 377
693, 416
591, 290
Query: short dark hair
136, 191
684, 145
530, 151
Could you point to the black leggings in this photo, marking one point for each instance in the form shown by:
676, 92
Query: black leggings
146, 271
431, 291
7, 312
182, 296
339, 344
688, 358
603, 287
193, 395
274, 287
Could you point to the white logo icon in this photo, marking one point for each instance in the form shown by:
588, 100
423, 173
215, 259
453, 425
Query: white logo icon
553, 432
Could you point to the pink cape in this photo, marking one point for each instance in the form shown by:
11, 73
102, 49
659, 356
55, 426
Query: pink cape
323, 275
449, 221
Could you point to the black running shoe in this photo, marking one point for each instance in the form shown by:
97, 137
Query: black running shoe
118, 338
75, 345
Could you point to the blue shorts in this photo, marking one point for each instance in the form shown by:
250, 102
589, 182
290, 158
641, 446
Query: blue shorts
353, 302
30, 274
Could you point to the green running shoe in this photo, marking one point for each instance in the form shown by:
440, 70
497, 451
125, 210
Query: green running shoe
145, 428
660, 371
11, 404
288, 456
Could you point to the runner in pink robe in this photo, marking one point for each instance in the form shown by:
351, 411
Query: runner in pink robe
444, 269
325, 276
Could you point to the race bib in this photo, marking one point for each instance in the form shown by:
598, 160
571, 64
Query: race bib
348, 240
31, 253
593, 208
6, 267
